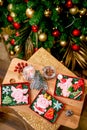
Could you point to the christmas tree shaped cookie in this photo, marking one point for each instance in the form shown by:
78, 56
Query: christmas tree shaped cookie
70, 87
15, 94
47, 106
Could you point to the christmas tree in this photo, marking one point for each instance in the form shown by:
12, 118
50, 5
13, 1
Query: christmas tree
56, 25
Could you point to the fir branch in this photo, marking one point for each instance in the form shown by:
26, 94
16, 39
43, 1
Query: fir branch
37, 17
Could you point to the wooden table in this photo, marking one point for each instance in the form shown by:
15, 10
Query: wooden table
40, 59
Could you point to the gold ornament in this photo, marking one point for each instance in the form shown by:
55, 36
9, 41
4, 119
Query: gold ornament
9, 7
42, 37
1, 2
12, 14
86, 38
17, 48
74, 10
82, 38
48, 49
59, 9
29, 12
82, 11
47, 13
11, 53
63, 43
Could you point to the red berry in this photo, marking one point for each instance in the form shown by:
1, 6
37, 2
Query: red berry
15, 70
19, 71
26, 64
9, 18
22, 63
76, 32
75, 47
34, 28
16, 25
16, 67
12, 41
18, 64
56, 33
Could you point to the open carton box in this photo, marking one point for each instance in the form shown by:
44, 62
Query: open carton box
69, 87
47, 106
13, 94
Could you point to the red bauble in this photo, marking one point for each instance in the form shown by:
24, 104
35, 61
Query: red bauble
56, 33
35, 49
9, 18
16, 25
69, 4
26, 1
12, 42
17, 34
34, 28
75, 47
76, 32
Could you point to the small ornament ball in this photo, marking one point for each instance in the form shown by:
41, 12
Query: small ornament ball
34, 28
56, 33
16, 25
9, 18
17, 34
86, 38
17, 48
42, 37
26, 1
83, 11
13, 15
76, 32
1, 2
59, 9
29, 12
12, 53
9, 7
74, 10
63, 43
47, 13
35, 49
69, 4
12, 42
75, 47
82, 38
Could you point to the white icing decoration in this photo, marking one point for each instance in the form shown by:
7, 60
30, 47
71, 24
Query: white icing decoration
60, 76
57, 105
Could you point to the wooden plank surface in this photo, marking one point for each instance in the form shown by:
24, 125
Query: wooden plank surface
40, 59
